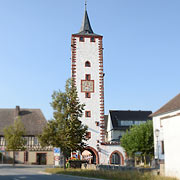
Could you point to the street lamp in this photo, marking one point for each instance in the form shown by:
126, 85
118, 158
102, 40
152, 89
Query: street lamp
98, 148
157, 135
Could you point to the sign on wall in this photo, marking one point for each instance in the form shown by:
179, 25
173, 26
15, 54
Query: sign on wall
57, 151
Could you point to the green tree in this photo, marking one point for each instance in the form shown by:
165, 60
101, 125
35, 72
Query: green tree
65, 130
14, 137
139, 139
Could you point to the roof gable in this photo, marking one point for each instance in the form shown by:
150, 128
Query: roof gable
33, 120
172, 105
128, 116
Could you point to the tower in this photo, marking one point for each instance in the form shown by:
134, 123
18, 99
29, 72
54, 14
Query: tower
87, 74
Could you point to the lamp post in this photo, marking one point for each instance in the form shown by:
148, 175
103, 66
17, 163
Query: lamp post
157, 135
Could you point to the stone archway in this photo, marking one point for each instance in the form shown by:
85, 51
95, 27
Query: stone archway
94, 152
120, 156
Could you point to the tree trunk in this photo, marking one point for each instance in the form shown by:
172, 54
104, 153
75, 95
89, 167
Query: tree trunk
64, 161
13, 158
145, 160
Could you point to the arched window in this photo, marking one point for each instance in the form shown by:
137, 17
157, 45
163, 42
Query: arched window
87, 64
115, 158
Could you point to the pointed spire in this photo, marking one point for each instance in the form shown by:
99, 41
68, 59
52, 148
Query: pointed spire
86, 26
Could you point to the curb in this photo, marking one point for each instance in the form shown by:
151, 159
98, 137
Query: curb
45, 173
81, 177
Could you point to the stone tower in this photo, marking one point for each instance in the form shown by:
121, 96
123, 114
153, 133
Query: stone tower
87, 74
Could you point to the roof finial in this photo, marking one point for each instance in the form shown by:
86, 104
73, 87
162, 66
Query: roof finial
85, 5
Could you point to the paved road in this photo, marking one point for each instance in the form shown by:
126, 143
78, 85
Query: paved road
31, 173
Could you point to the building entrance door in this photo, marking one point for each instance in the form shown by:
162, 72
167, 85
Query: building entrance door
41, 158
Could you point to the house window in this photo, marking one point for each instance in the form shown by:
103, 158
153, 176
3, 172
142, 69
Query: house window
35, 141
119, 137
162, 147
88, 77
26, 141
87, 64
81, 39
115, 159
88, 95
92, 39
139, 122
87, 113
16, 155
126, 123
1, 141
88, 135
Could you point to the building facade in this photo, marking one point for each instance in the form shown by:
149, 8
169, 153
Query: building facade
118, 122
166, 123
34, 122
88, 76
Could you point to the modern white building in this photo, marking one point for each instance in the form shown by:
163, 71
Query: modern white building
166, 125
118, 121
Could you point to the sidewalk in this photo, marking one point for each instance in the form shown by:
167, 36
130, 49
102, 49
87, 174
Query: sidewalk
25, 166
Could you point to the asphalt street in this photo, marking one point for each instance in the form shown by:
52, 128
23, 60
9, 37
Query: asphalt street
7, 172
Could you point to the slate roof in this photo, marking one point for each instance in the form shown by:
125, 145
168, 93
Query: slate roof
33, 119
172, 105
128, 116
86, 28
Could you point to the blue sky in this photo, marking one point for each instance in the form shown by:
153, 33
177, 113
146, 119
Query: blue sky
141, 50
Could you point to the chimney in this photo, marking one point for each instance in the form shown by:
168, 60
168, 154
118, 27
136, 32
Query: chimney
17, 110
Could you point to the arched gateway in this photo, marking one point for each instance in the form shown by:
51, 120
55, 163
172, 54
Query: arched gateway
91, 155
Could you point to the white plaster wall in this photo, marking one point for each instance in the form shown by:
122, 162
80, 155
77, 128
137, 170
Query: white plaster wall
109, 123
88, 51
106, 151
157, 145
159, 124
109, 128
172, 146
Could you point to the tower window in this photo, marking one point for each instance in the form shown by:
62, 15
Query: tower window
162, 147
88, 77
88, 95
88, 135
87, 64
92, 39
81, 39
97, 123
87, 113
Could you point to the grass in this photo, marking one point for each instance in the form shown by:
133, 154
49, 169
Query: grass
112, 175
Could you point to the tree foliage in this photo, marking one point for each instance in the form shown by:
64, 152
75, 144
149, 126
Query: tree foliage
14, 137
139, 139
65, 130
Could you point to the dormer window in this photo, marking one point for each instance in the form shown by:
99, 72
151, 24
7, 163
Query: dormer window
92, 39
81, 39
87, 64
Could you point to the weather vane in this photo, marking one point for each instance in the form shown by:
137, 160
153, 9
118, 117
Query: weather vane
85, 4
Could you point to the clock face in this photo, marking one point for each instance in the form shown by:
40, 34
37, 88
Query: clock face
87, 86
